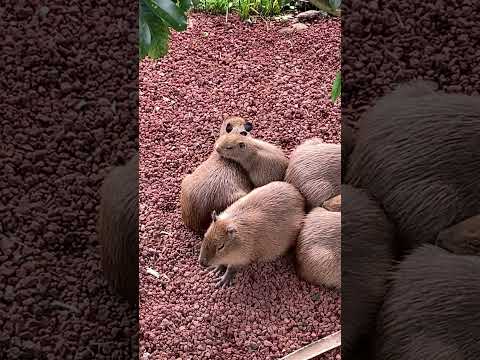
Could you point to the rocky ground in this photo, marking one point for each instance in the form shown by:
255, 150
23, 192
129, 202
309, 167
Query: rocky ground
281, 80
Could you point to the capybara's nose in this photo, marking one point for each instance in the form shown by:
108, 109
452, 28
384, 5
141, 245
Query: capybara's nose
203, 261
244, 133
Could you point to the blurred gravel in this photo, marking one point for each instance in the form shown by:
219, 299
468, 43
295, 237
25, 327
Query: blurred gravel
282, 83
68, 114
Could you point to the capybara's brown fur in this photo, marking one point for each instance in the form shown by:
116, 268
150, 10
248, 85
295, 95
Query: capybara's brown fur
368, 252
216, 183
462, 238
264, 162
334, 204
314, 168
261, 226
319, 248
117, 229
236, 125
416, 152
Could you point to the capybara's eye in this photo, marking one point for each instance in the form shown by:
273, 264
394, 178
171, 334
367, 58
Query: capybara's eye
221, 247
248, 126
229, 127
244, 133
242, 145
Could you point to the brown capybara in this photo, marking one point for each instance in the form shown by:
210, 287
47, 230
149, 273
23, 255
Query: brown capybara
264, 162
318, 253
315, 169
117, 229
430, 311
236, 125
261, 226
334, 204
215, 184
416, 152
368, 255
462, 238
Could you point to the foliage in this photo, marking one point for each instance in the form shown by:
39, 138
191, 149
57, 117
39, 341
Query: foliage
156, 17
245, 8
330, 6
337, 87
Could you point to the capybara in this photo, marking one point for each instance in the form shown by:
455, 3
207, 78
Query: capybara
315, 170
348, 143
216, 183
416, 151
431, 310
261, 226
367, 258
117, 229
318, 251
264, 162
236, 125
462, 238
334, 204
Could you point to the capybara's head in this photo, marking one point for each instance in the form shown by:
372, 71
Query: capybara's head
236, 125
221, 244
233, 146
462, 238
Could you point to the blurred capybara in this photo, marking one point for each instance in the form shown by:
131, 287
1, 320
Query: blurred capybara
348, 143
216, 183
264, 162
334, 204
462, 238
117, 229
367, 257
431, 310
416, 151
318, 251
259, 227
315, 169
236, 125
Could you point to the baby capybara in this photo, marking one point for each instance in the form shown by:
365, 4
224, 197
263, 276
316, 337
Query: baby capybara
314, 169
334, 204
236, 125
264, 162
215, 184
318, 250
462, 238
261, 226
416, 151
117, 229
431, 310
367, 258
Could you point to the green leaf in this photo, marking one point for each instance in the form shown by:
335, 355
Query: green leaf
168, 11
154, 34
337, 87
185, 5
335, 4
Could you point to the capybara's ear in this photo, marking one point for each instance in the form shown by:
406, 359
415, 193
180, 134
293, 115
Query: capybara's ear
248, 126
214, 215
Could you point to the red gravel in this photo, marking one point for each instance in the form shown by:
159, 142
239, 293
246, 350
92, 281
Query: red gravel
282, 83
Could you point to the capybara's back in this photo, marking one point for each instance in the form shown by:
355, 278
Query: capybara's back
268, 219
214, 185
117, 229
431, 310
417, 152
315, 170
319, 248
368, 251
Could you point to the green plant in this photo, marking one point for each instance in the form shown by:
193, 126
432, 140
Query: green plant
336, 87
330, 6
156, 17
